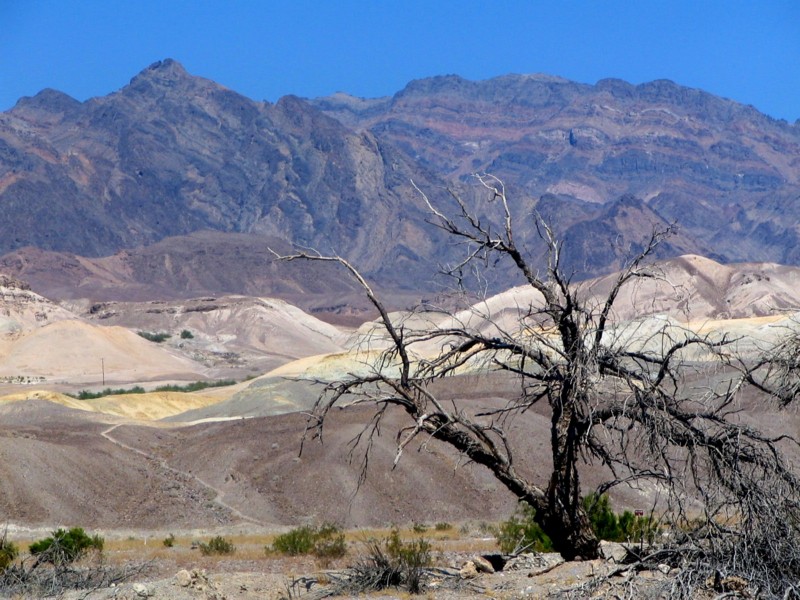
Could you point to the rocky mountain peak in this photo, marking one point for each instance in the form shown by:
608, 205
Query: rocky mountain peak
167, 73
45, 105
165, 69
47, 97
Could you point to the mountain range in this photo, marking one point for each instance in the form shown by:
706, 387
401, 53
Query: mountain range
175, 186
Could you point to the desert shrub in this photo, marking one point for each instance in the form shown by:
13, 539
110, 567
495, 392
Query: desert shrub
299, 540
521, 533
157, 337
186, 335
8, 552
626, 527
64, 547
169, 541
329, 542
605, 523
419, 528
326, 542
413, 556
217, 545
443, 526
87, 395
391, 562
195, 386
638, 529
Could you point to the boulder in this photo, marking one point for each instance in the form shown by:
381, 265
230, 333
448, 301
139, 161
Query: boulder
613, 551
468, 571
141, 590
183, 578
482, 565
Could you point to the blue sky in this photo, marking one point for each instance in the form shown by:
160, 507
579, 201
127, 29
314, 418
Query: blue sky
747, 51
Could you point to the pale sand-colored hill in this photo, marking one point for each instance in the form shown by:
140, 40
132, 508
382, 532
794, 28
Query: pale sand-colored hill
696, 288
76, 352
688, 288
749, 303
48, 344
237, 332
22, 310
296, 386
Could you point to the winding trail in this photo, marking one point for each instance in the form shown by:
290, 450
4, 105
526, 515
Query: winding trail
219, 494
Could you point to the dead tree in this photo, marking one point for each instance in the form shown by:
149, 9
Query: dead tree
648, 403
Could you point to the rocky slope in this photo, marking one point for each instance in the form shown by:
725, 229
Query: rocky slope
205, 263
172, 155
726, 173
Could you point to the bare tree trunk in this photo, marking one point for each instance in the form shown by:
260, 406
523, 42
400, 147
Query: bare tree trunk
564, 519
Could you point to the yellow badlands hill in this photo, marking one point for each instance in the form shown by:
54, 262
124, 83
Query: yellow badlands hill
150, 406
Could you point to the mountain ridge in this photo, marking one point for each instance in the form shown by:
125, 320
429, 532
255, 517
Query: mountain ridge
172, 154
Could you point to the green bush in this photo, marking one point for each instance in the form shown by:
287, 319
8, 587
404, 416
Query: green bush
87, 395
521, 533
329, 542
638, 529
169, 541
157, 337
443, 527
299, 540
64, 547
326, 542
195, 386
626, 527
186, 335
605, 523
8, 552
413, 554
217, 545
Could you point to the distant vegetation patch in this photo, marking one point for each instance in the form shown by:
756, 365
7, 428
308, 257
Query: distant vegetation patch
326, 542
186, 335
87, 395
8, 552
196, 386
217, 545
22, 379
189, 387
156, 337
64, 547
